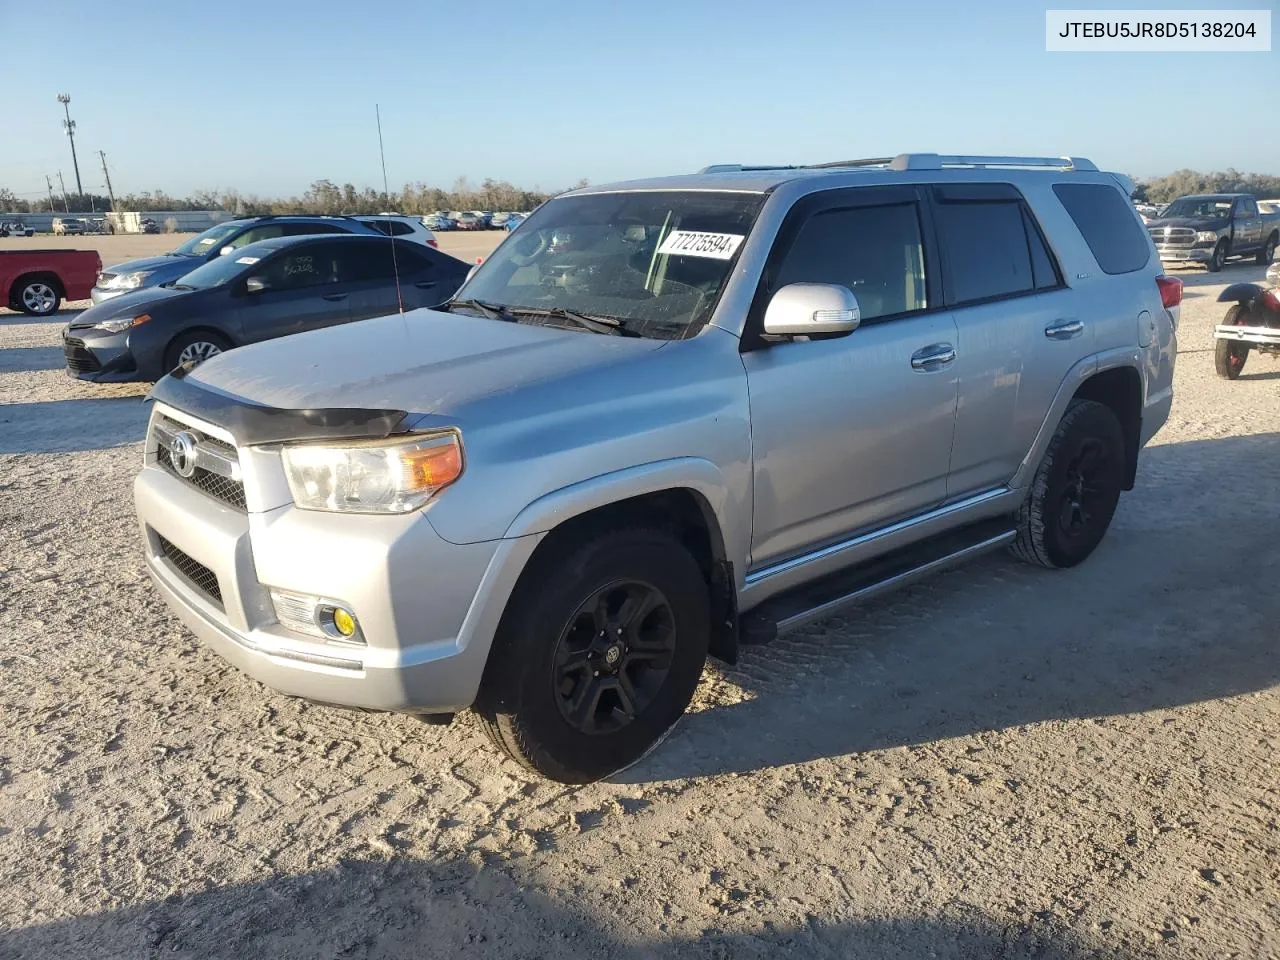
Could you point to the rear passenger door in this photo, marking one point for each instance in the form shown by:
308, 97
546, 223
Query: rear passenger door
1017, 326
1248, 226
850, 432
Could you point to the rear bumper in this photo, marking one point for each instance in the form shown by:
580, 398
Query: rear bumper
427, 608
1262, 336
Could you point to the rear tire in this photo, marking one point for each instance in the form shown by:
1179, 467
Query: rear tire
37, 296
1268, 252
597, 656
1229, 355
197, 346
1075, 489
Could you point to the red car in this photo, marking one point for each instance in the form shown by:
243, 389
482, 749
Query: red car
37, 281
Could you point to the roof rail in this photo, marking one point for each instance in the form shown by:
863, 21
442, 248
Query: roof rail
936, 161
741, 167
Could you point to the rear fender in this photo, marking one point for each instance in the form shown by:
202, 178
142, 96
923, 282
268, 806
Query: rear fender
1241, 293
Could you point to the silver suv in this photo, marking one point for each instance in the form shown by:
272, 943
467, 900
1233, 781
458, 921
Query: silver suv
664, 419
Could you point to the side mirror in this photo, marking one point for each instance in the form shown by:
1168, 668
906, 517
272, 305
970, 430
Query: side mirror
255, 285
804, 309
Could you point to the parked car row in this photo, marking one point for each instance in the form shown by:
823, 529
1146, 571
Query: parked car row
473, 220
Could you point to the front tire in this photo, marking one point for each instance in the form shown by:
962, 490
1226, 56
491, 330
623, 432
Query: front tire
1229, 355
597, 656
1075, 489
195, 348
1268, 252
1219, 257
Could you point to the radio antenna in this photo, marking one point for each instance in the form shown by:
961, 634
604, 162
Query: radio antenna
386, 192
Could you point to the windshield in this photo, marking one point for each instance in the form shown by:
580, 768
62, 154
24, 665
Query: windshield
207, 242
655, 261
220, 270
1213, 208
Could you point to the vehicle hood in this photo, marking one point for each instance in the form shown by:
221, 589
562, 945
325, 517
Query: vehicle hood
128, 305
423, 362
1196, 223
164, 266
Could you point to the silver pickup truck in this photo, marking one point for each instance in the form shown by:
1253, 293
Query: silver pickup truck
663, 420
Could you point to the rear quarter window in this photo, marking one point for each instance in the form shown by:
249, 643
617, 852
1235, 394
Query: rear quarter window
1108, 224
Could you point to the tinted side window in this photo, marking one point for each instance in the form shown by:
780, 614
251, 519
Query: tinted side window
985, 243
1043, 268
301, 229
373, 261
874, 251
254, 234
1108, 224
305, 266
1248, 208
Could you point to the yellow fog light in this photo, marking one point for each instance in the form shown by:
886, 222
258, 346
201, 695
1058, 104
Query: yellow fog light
344, 623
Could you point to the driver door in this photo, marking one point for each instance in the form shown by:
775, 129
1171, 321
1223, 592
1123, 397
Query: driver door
852, 432
303, 291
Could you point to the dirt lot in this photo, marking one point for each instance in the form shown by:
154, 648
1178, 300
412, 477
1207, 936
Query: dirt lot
1002, 762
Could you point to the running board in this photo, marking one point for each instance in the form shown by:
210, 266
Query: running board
808, 602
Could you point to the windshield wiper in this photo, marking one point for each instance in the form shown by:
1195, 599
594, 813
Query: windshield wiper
492, 311
596, 324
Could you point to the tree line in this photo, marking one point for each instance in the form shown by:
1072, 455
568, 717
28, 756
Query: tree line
323, 196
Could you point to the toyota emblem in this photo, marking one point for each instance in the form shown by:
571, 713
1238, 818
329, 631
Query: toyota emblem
182, 453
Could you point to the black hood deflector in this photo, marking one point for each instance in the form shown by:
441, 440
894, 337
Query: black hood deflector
252, 423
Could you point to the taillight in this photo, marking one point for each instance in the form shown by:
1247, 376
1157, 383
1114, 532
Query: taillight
432, 243
1170, 291
1271, 298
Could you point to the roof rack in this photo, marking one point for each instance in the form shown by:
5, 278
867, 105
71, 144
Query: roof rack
924, 161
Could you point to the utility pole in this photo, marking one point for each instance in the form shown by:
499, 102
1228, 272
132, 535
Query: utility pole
49, 183
65, 100
65, 206
110, 192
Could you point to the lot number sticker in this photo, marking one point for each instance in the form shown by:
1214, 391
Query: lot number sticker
692, 243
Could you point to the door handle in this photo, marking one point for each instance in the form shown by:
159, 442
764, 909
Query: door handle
426, 284
1064, 330
333, 297
933, 357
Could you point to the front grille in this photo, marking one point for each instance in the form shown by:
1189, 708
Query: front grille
215, 484
193, 571
1173, 236
79, 359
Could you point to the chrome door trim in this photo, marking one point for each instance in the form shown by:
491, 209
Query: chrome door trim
754, 578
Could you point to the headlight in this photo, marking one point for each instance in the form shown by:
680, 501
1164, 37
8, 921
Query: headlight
381, 476
130, 281
1206, 236
124, 323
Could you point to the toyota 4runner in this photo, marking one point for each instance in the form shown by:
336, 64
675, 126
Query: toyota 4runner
664, 419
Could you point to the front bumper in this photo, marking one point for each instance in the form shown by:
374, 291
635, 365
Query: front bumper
102, 294
427, 608
99, 357
1171, 254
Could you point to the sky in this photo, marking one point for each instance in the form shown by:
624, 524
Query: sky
267, 96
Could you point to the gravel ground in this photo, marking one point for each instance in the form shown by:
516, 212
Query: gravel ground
1001, 762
